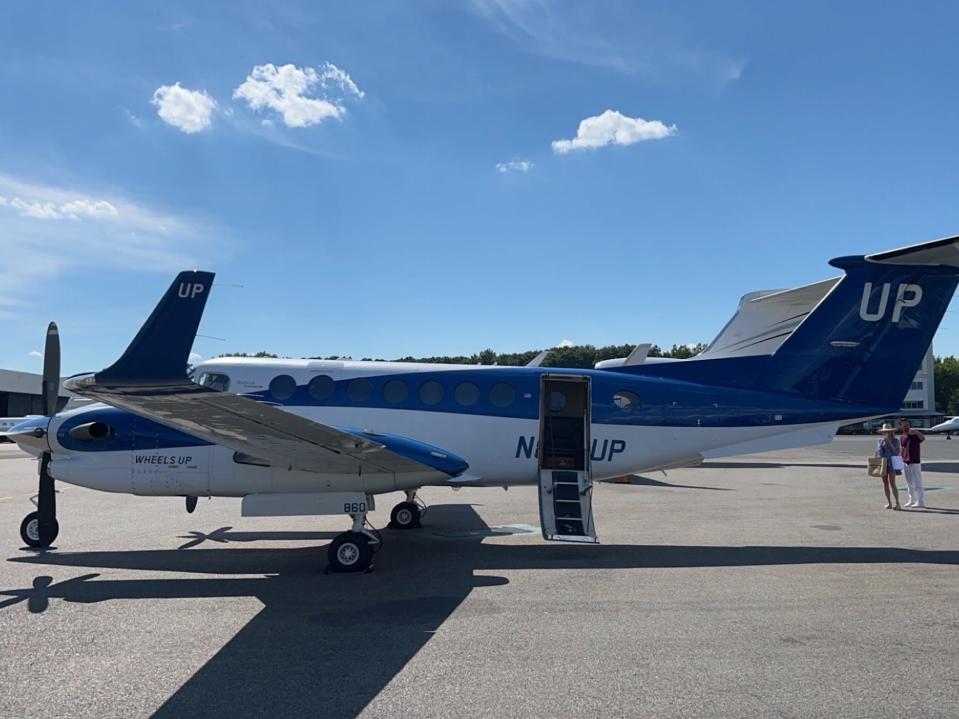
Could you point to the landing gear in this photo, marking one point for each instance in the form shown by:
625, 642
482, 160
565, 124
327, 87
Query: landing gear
35, 534
407, 515
353, 551
350, 552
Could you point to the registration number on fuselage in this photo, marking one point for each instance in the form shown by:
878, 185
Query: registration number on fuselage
528, 447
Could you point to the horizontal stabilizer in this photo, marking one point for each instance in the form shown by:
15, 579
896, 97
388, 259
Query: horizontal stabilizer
938, 253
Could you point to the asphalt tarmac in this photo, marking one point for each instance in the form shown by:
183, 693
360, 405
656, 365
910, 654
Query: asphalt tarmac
769, 585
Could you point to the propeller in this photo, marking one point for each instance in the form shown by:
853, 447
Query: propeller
47, 526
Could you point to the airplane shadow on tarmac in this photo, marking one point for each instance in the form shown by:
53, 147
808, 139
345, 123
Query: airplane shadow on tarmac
326, 645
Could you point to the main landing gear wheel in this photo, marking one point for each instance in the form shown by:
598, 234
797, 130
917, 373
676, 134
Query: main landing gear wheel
350, 552
405, 515
33, 536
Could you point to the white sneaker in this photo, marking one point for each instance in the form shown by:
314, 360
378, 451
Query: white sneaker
910, 504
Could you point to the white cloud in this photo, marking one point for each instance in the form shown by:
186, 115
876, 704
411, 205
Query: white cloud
291, 92
613, 128
566, 343
189, 111
514, 166
332, 75
35, 353
72, 210
59, 230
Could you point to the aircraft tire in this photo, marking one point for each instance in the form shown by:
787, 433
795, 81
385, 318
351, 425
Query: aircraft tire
405, 515
350, 552
30, 531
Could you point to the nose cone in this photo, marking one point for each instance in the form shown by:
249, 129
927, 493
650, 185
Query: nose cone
31, 435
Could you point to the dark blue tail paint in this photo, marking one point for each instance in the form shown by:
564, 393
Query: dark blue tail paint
866, 339
161, 350
862, 344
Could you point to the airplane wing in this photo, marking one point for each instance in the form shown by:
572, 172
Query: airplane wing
150, 380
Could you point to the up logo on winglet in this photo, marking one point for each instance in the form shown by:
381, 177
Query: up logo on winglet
189, 289
906, 296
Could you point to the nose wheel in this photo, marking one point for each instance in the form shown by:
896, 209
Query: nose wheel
35, 534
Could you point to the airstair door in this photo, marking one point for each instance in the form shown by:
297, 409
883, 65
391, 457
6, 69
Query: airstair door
565, 479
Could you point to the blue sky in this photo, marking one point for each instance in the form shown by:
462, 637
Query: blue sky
404, 178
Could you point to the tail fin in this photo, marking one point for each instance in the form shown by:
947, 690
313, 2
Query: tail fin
865, 340
161, 349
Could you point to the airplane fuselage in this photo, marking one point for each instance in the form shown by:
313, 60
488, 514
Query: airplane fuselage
489, 416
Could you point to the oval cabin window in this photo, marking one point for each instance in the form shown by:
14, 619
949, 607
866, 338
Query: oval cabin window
321, 387
466, 394
395, 391
282, 387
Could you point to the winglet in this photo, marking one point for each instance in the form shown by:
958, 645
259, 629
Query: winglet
161, 350
538, 360
638, 355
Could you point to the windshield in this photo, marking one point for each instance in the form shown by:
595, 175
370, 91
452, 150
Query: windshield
214, 380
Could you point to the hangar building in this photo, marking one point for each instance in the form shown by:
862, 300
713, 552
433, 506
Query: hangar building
20, 394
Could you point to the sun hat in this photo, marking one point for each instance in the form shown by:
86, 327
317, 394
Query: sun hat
886, 427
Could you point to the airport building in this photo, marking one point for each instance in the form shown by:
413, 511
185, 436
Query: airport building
20, 394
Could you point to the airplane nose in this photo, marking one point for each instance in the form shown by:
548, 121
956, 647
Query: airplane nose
31, 435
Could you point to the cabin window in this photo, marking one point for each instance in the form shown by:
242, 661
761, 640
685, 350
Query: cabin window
395, 391
626, 400
214, 380
431, 392
556, 401
359, 390
466, 394
321, 387
282, 387
502, 395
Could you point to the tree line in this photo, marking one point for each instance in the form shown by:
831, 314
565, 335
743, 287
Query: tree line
576, 356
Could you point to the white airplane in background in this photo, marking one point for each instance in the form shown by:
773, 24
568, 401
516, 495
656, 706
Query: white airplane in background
305, 437
948, 427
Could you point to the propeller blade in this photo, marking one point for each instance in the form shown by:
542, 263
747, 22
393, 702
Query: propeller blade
51, 370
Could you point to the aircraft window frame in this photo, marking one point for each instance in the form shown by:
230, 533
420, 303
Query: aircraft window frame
401, 394
625, 400
502, 400
430, 401
214, 380
355, 394
285, 392
317, 392
466, 387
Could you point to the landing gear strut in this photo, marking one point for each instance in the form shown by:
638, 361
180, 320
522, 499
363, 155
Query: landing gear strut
39, 529
406, 515
353, 551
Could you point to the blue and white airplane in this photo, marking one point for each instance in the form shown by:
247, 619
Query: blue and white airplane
306, 437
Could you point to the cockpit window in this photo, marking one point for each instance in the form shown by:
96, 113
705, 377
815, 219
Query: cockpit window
214, 380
